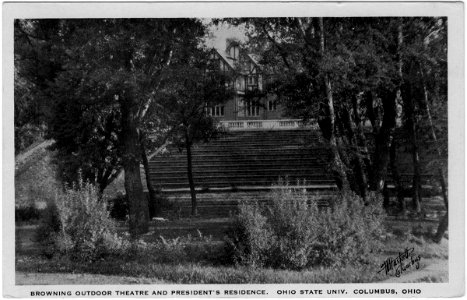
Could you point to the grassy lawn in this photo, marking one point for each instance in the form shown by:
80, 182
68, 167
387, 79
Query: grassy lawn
201, 261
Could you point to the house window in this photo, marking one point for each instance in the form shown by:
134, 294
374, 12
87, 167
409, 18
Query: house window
252, 108
240, 83
208, 110
272, 105
215, 111
251, 80
234, 52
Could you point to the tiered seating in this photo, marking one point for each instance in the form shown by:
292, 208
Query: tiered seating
247, 159
245, 165
242, 166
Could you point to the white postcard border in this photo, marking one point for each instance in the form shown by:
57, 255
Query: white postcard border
453, 10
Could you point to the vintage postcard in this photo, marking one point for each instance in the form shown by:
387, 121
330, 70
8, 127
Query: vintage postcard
233, 149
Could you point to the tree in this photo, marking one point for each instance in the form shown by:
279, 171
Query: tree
85, 127
348, 73
426, 55
332, 77
34, 68
189, 91
124, 61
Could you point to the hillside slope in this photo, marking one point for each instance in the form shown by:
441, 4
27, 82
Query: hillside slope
35, 180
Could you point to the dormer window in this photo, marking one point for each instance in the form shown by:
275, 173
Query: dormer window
234, 50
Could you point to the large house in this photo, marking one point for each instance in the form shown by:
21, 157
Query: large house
251, 107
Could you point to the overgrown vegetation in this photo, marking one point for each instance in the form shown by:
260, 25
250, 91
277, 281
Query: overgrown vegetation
78, 225
199, 258
294, 233
185, 260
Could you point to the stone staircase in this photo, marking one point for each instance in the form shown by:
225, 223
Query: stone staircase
243, 166
246, 165
246, 159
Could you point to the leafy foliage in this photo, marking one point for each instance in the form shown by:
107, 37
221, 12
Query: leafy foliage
79, 225
368, 62
292, 233
100, 78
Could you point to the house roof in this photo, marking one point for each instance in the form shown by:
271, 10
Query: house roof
230, 62
224, 57
255, 58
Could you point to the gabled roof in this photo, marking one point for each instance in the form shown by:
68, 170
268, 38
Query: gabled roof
224, 57
230, 62
254, 58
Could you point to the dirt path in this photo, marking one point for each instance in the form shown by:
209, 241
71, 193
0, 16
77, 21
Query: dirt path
435, 271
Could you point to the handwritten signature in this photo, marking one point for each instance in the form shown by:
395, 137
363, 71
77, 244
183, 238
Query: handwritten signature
401, 263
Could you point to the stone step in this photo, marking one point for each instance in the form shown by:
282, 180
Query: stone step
246, 180
246, 159
246, 175
236, 160
315, 188
169, 172
261, 143
228, 159
239, 184
258, 150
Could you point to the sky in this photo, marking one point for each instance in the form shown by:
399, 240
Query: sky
219, 33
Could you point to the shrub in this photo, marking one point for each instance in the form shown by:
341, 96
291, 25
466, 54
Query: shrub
250, 238
291, 232
293, 217
350, 230
85, 230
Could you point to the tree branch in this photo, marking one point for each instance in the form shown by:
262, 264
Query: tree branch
282, 52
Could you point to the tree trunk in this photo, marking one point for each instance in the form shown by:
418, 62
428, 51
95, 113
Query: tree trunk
383, 142
412, 129
188, 144
443, 225
359, 170
416, 185
139, 212
384, 136
396, 178
154, 203
337, 164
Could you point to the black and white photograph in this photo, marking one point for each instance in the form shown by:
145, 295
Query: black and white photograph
263, 152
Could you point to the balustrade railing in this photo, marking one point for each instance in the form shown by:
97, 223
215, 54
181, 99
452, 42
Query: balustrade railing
266, 124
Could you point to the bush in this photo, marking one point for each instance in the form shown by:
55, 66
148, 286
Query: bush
291, 232
85, 230
250, 238
350, 230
